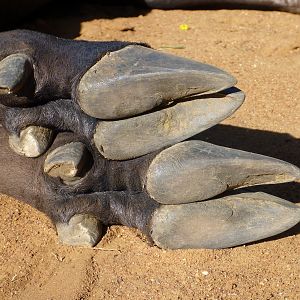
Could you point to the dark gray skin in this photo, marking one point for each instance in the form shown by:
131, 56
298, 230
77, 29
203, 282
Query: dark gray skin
158, 190
97, 195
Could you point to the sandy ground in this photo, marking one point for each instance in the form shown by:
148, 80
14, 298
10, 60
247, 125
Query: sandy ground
262, 49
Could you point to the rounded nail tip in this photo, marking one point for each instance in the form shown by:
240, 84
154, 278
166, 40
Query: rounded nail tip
226, 81
295, 173
82, 240
236, 94
70, 170
33, 151
14, 70
283, 171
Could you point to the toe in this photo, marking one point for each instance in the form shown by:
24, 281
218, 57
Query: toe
136, 79
195, 170
69, 162
14, 70
16, 80
224, 222
33, 141
133, 137
81, 230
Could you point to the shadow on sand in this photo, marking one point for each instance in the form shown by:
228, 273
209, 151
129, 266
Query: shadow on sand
63, 18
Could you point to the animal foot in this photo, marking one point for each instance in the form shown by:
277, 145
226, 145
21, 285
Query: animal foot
126, 98
101, 121
80, 190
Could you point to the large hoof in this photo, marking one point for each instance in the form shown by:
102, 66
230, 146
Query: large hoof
136, 79
179, 97
81, 230
195, 170
225, 222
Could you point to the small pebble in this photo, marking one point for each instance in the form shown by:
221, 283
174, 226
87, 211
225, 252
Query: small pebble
205, 273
